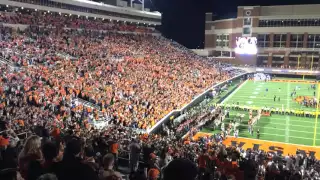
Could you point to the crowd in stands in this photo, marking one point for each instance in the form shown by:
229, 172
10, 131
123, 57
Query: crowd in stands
135, 79
59, 20
126, 81
67, 6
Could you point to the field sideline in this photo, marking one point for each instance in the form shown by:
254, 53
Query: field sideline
280, 128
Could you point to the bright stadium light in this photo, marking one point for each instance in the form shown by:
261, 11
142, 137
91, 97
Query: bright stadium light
246, 45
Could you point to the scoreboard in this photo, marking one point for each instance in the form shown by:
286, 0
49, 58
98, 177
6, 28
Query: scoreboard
246, 45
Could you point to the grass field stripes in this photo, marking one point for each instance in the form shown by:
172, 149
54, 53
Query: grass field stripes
281, 128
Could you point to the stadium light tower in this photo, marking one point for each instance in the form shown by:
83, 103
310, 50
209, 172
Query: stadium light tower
141, 1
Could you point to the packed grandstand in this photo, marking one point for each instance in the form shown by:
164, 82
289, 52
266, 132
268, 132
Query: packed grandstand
62, 75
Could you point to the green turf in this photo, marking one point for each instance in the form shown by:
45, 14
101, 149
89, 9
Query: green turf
254, 94
280, 128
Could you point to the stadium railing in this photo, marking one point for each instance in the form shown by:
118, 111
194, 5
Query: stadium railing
195, 101
7, 62
87, 103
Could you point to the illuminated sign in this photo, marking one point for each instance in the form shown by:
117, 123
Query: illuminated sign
246, 45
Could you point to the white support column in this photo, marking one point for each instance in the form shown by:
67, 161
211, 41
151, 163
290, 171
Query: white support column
142, 2
131, 3
314, 41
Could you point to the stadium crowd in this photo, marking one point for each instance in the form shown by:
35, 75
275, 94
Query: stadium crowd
114, 79
135, 79
58, 20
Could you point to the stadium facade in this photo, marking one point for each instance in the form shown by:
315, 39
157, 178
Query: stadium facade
287, 36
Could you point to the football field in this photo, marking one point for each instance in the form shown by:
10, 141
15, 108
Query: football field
281, 128
261, 94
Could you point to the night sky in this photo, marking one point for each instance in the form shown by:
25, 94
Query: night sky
184, 20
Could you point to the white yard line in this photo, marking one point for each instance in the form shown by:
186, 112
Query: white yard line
267, 101
262, 127
287, 129
287, 118
295, 120
271, 123
258, 98
234, 92
291, 120
282, 136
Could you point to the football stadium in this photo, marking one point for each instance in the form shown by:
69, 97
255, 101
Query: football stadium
114, 90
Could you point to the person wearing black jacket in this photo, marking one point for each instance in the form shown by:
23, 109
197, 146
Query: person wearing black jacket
72, 167
147, 150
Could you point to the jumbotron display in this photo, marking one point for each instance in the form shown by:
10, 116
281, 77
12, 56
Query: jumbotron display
246, 45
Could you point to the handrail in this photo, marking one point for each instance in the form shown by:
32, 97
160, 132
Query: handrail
87, 103
6, 61
151, 130
26, 133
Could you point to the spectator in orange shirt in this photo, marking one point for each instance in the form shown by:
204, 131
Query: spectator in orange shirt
4, 140
153, 174
114, 149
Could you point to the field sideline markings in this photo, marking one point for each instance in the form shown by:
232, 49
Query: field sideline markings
299, 121
258, 98
276, 141
282, 136
272, 103
305, 82
261, 127
282, 125
305, 119
235, 91
287, 124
